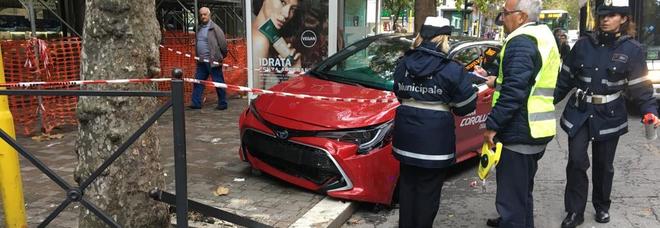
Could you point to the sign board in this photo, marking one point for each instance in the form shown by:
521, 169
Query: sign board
284, 36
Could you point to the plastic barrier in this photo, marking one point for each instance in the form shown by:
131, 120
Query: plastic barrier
23, 108
64, 56
62, 63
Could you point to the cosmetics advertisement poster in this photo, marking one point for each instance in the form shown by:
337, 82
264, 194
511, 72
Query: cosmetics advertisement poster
286, 36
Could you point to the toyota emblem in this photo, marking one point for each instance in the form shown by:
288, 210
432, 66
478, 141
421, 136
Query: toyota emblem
283, 134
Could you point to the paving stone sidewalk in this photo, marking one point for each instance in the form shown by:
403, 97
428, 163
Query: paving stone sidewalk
212, 140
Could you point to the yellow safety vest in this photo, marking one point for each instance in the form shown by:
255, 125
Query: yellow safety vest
540, 107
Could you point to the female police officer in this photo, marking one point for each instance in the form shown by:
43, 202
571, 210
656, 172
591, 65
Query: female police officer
429, 86
600, 66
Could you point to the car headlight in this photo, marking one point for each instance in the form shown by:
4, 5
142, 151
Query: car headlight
367, 139
654, 76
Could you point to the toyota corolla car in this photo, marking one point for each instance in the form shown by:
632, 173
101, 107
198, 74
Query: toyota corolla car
344, 148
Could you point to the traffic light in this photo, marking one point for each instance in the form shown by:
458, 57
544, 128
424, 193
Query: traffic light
467, 4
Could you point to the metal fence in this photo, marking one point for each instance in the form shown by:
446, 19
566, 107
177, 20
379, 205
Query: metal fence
179, 200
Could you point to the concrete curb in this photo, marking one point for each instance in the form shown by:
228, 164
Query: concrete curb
328, 213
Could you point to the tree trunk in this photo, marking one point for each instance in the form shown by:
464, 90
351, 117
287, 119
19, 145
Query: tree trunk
120, 40
423, 9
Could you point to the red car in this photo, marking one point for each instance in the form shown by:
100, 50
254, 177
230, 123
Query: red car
344, 148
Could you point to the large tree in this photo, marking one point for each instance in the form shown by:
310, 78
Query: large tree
120, 40
423, 9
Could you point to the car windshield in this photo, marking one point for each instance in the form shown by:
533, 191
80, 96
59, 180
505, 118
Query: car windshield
370, 62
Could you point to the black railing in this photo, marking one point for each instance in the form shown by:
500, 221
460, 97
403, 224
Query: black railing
180, 200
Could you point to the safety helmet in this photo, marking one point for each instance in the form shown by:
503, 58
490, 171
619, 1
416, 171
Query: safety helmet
613, 6
488, 159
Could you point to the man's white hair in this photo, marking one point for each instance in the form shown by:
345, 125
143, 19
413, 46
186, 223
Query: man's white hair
531, 7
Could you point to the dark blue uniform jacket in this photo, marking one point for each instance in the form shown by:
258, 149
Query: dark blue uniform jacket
604, 67
508, 118
425, 137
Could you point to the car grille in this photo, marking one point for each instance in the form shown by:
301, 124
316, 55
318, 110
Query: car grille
294, 159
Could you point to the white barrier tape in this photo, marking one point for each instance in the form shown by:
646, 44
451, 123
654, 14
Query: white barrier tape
389, 96
293, 73
85, 82
285, 94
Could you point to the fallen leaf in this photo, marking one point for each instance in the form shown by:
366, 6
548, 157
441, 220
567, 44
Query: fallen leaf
221, 191
46, 137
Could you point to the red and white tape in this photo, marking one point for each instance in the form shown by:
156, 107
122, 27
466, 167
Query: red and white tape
84, 82
390, 97
285, 94
293, 73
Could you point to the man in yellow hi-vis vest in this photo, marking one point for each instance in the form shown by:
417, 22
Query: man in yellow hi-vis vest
522, 118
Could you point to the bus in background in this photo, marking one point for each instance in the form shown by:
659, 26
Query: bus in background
555, 19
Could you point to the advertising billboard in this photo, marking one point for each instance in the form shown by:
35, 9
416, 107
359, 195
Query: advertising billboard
285, 36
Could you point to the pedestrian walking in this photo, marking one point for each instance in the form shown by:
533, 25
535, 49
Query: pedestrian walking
211, 46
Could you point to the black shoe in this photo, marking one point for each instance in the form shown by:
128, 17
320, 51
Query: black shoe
494, 222
572, 220
221, 107
602, 217
193, 107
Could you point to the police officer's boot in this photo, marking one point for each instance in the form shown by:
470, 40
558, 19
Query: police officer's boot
494, 222
572, 220
602, 217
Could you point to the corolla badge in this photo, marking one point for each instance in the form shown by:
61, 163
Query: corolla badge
282, 134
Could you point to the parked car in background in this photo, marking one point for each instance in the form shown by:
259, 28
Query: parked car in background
343, 148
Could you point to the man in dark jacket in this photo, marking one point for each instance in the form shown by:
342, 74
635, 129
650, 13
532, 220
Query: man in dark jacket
211, 47
522, 118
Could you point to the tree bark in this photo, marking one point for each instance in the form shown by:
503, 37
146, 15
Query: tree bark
120, 40
423, 9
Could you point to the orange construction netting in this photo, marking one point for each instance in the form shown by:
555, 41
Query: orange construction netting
23, 108
62, 63
64, 55
237, 56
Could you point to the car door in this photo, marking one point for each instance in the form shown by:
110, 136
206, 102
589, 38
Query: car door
470, 128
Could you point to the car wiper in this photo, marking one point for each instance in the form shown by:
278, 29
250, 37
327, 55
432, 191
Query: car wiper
318, 74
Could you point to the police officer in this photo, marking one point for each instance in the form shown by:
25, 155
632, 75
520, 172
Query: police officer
601, 65
523, 114
429, 87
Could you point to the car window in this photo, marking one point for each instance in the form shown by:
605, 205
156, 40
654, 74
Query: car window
467, 55
485, 56
372, 65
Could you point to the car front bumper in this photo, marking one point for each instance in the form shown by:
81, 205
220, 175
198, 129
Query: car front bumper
320, 164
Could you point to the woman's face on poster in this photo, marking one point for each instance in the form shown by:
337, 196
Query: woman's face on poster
280, 11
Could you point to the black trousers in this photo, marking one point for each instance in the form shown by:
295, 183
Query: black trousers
419, 195
515, 184
577, 182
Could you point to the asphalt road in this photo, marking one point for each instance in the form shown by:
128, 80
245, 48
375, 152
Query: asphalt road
635, 194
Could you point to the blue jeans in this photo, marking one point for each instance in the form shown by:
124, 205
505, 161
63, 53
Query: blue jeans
202, 73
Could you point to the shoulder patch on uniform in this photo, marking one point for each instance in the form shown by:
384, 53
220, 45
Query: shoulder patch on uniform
636, 43
622, 58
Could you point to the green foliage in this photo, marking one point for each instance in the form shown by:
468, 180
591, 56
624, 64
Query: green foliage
487, 7
569, 5
396, 7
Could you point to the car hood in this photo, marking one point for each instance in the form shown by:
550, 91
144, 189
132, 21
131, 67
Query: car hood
324, 115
